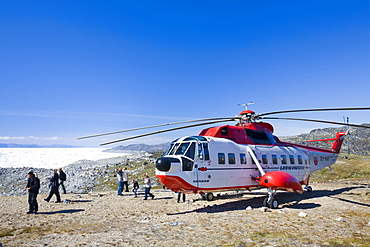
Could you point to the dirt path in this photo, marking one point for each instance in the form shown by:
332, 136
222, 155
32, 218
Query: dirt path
334, 214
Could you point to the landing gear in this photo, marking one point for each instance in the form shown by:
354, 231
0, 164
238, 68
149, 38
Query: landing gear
308, 188
270, 201
208, 196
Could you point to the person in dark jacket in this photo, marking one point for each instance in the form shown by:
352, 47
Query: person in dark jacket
33, 187
135, 187
62, 178
54, 187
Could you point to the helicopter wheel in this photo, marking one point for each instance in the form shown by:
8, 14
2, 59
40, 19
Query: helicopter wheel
273, 203
308, 188
209, 196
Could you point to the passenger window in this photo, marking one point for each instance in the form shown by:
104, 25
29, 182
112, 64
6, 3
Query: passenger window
243, 159
291, 158
231, 157
274, 159
264, 159
221, 158
283, 159
300, 159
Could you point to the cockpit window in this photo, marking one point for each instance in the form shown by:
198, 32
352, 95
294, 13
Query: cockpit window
174, 148
168, 149
191, 151
187, 149
206, 151
182, 148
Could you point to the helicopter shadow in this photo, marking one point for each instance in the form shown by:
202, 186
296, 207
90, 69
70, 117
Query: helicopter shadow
287, 200
77, 201
317, 194
66, 211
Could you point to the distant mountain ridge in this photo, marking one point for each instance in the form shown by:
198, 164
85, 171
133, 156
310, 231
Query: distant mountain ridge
138, 148
14, 145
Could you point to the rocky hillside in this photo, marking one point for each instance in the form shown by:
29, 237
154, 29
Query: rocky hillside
357, 142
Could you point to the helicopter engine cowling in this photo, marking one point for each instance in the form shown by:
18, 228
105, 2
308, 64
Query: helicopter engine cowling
163, 164
279, 180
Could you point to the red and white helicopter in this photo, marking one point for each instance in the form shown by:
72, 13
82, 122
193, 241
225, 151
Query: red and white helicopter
244, 156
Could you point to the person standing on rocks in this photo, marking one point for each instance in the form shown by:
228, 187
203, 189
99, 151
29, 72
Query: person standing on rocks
125, 178
135, 187
33, 187
54, 187
62, 178
120, 181
148, 186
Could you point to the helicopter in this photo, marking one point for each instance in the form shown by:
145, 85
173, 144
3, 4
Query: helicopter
243, 156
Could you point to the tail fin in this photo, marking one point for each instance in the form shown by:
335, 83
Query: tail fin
338, 141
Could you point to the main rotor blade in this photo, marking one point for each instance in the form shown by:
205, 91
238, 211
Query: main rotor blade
167, 130
324, 109
153, 126
317, 121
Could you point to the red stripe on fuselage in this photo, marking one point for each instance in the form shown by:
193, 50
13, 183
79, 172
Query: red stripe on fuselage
178, 184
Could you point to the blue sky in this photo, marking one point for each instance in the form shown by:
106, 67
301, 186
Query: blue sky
75, 68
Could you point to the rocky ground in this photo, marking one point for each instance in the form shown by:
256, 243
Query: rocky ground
82, 176
334, 214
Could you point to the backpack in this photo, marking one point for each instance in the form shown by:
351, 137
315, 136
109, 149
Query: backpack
62, 176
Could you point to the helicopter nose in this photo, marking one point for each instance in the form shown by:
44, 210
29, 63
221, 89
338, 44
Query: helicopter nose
164, 164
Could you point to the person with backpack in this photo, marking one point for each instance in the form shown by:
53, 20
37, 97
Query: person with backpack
54, 187
62, 178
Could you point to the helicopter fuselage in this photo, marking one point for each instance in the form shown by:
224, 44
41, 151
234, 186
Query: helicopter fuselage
202, 164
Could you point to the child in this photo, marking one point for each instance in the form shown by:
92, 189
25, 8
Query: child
136, 187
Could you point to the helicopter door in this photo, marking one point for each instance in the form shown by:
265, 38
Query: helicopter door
202, 175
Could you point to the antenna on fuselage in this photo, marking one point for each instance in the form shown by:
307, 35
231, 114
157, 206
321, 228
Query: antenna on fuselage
346, 121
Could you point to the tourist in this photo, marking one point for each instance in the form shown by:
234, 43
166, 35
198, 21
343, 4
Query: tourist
135, 186
33, 186
120, 181
148, 186
125, 178
179, 197
54, 187
62, 178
